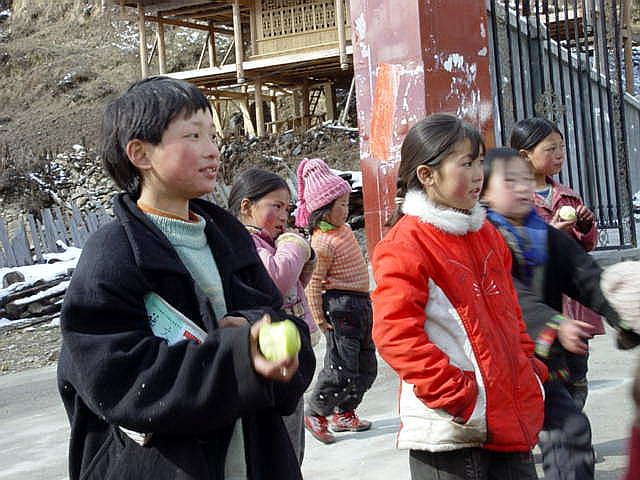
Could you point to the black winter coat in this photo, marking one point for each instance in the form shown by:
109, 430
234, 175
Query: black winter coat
571, 271
114, 372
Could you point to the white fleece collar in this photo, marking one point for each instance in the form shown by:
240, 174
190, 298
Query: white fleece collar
417, 204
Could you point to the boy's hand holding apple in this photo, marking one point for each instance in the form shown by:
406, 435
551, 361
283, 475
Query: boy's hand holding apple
274, 349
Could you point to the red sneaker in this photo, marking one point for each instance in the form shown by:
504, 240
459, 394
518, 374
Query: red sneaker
319, 428
349, 422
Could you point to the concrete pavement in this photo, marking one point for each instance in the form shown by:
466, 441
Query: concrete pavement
372, 454
34, 427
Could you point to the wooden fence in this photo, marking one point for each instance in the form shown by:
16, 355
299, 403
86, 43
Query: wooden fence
32, 237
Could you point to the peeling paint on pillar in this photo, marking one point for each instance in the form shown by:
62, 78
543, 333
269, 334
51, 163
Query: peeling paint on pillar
423, 66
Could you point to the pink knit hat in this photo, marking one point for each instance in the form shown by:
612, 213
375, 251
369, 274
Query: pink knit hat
317, 187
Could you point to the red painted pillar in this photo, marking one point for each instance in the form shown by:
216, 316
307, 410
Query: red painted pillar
413, 58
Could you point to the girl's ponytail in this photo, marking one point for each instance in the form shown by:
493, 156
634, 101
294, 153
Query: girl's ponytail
401, 192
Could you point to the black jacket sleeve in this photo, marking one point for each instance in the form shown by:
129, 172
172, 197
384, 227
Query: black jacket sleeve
536, 313
578, 275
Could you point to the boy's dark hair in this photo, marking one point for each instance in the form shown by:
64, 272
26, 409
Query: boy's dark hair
528, 133
428, 142
253, 184
318, 215
496, 156
143, 112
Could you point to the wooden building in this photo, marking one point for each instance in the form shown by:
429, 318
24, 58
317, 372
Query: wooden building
300, 48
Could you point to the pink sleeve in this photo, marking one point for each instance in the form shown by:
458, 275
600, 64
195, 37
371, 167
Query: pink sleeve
285, 264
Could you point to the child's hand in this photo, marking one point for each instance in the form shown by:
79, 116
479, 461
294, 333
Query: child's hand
571, 334
560, 224
229, 321
281, 371
584, 219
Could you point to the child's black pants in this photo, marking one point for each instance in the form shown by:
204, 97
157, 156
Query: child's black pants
350, 365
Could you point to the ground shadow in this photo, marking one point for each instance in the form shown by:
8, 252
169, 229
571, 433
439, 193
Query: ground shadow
612, 448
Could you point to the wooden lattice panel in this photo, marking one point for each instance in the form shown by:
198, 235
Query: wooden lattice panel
279, 18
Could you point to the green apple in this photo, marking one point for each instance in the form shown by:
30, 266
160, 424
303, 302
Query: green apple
279, 340
567, 213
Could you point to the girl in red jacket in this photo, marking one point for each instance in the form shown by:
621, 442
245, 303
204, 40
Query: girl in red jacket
447, 320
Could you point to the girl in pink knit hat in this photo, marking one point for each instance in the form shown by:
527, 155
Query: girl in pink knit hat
338, 295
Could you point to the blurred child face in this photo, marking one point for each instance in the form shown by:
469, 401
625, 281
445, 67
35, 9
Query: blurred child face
457, 181
339, 213
270, 212
548, 156
510, 189
184, 165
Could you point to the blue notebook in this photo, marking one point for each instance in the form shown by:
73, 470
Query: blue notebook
167, 322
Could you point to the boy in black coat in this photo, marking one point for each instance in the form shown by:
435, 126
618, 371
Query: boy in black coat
139, 406
548, 264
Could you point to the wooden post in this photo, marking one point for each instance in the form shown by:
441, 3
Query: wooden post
345, 110
237, 36
396, 87
257, 95
306, 121
273, 106
342, 37
143, 42
329, 101
217, 122
205, 46
162, 56
213, 60
628, 43
253, 29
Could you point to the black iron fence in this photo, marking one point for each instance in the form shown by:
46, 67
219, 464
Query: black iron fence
563, 60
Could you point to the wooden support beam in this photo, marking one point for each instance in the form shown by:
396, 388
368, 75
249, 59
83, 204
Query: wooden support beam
217, 121
230, 49
213, 60
237, 35
253, 30
345, 111
257, 95
305, 104
144, 67
162, 54
249, 129
182, 23
342, 37
329, 101
273, 106
202, 50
